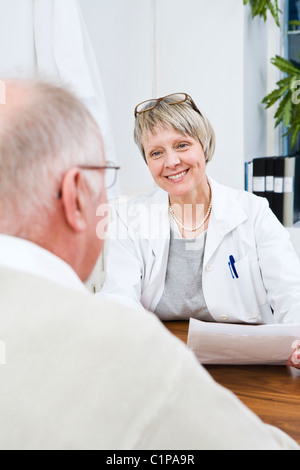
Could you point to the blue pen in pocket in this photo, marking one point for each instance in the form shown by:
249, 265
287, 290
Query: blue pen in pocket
232, 267
229, 264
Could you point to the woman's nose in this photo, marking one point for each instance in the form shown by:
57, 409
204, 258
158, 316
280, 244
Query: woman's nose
172, 159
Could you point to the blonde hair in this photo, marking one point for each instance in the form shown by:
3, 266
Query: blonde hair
40, 139
181, 117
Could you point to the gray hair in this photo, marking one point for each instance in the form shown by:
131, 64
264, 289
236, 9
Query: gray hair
39, 141
180, 117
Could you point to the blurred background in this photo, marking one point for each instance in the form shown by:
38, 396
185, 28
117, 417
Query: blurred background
117, 53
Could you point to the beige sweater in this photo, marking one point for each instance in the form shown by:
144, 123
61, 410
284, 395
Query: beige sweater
84, 373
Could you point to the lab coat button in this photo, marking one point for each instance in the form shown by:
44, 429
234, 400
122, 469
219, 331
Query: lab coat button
209, 267
224, 317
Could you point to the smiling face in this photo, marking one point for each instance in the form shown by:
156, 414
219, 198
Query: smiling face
176, 161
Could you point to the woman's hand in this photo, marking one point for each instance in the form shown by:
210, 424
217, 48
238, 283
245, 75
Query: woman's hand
294, 360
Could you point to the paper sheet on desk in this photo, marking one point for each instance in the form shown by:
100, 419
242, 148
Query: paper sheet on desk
219, 343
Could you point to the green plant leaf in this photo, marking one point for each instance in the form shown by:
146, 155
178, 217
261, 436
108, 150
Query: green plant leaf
283, 110
287, 112
275, 95
285, 66
274, 9
295, 132
261, 8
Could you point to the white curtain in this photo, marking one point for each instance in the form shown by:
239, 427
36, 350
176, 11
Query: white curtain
48, 38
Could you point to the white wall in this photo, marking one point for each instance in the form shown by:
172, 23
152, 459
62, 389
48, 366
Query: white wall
255, 86
208, 48
211, 49
122, 33
200, 50
276, 46
17, 51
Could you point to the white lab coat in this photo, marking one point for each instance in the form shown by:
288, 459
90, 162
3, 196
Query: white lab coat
241, 225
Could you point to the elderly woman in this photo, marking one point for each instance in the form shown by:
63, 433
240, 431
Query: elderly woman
192, 247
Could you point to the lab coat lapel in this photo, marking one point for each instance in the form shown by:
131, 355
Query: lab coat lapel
226, 215
159, 235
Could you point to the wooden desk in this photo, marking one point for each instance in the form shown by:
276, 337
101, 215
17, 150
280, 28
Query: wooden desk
269, 391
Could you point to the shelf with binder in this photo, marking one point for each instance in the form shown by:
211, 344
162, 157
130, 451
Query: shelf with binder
278, 180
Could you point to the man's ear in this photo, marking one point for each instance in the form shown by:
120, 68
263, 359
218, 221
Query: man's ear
73, 195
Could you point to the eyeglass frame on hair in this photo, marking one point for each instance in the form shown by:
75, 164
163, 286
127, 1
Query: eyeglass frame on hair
95, 167
187, 98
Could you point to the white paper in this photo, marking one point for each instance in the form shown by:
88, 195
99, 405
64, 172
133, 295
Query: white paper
219, 343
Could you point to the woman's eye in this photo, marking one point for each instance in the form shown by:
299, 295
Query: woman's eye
156, 154
183, 145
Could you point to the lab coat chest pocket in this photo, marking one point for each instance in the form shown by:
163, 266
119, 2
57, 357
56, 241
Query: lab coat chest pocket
149, 266
249, 287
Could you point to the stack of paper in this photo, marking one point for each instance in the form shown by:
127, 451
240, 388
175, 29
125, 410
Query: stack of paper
219, 343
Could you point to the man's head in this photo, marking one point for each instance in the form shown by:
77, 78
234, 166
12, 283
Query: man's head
46, 133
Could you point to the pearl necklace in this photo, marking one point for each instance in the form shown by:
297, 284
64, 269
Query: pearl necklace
194, 229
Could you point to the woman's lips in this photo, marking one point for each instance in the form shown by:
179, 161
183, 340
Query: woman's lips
177, 177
